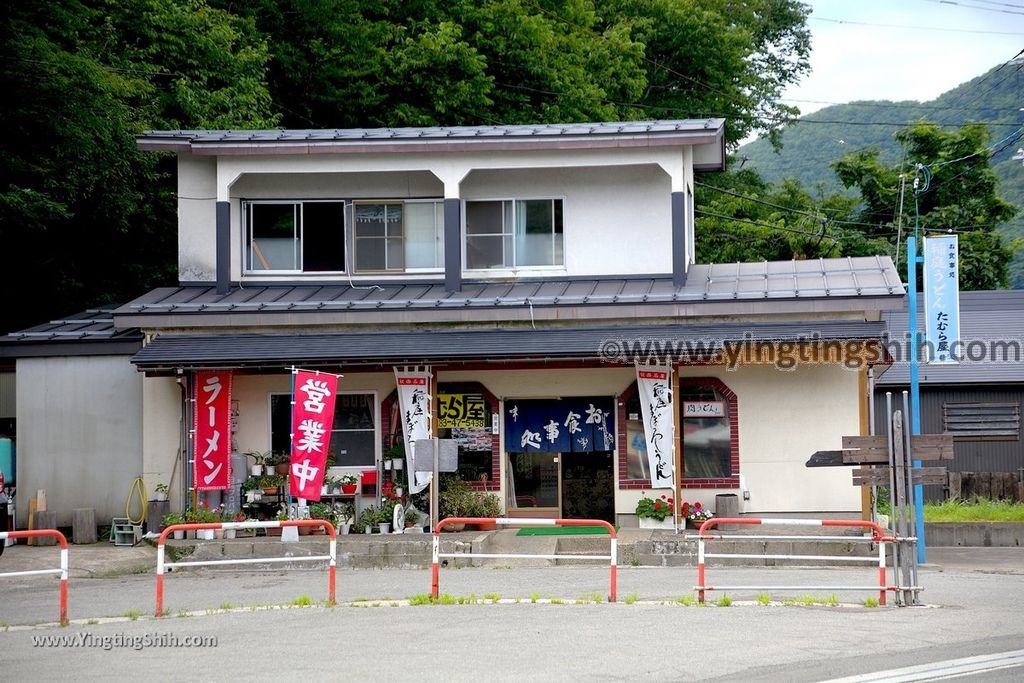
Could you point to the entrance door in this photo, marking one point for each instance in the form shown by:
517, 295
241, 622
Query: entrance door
588, 486
533, 484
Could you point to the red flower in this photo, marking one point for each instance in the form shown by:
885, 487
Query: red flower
657, 505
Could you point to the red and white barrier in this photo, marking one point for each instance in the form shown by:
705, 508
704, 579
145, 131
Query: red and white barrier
612, 555
161, 565
877, 536
62, 570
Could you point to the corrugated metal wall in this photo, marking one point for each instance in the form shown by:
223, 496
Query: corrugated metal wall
971, 456
7, 396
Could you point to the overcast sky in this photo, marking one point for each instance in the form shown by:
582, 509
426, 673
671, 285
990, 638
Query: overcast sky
852, 61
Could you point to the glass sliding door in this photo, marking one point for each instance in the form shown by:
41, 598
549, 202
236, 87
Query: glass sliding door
534, 484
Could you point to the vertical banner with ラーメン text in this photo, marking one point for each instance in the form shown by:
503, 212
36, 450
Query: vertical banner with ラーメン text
211, 428
312, 419
942, 298
414, 402
654, 383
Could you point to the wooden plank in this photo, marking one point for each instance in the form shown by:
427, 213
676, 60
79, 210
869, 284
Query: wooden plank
983, 484
928, 475
932, 447
872, 477
865, 442
32, 506
865, 456
955, 484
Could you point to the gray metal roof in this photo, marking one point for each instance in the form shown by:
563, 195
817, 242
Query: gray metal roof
277, 350
852, 278
602, 133
985, 317
91, 332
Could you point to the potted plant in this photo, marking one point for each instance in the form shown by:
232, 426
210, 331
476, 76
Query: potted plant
367, 520
695, 514
241, 516
282, 516
258, 460
160, 492
280, 461
346, 513
324, 511
411, 521
655, 513
348, 483
170, 519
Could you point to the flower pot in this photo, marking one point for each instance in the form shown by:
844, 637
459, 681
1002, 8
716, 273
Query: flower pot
651, 523
305, 530
256, 470
281, 468
454, 527
270, 490
385, 527
348, 489
179, 534
204, 534
695, 523
273, 531
268, 470
160, 496
336, 490
324, 490
344, 529
230, 533
387, 464
399, 491
397, 464
218, 534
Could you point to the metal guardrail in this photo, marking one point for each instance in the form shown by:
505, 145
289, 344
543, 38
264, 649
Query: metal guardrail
62, 570
878, 536
612, 556
161, 565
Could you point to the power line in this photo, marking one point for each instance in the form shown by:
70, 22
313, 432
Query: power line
986, 9
749, 221
918, 28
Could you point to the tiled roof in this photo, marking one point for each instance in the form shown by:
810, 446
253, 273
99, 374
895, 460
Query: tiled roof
821, 278
91, 332
276, 350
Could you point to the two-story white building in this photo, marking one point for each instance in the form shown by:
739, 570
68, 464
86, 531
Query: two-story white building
528, 268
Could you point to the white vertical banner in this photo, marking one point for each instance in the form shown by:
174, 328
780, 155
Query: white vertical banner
942, 298
655, 388
414, 403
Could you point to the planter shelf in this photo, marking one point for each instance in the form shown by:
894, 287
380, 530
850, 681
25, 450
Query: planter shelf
651, 523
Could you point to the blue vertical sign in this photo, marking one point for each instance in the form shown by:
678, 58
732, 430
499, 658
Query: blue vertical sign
942, 299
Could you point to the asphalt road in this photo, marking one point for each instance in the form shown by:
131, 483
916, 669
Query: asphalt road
970, 613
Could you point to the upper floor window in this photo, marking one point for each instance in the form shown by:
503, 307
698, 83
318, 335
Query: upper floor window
514, 233
399, 236
295, 236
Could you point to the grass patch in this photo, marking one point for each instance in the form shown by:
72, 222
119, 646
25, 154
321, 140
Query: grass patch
871, 602
685, 600
724, 601
92, 622
534, 597
446, 599
594, 597
764, 599
557, 601
133, 614
631, 598
421, 599
974, 510
493, 597
634, 562
226, 606
301, 601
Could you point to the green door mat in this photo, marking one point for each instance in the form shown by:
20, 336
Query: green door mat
564, 531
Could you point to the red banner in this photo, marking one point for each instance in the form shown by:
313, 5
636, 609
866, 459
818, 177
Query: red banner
211, 425
312, 418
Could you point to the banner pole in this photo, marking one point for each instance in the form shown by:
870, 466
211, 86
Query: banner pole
677, 450
291, 444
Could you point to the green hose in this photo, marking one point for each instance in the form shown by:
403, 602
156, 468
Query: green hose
139, 487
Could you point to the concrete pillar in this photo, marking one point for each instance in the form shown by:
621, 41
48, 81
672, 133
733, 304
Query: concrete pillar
452, 244
223, 247
680, 252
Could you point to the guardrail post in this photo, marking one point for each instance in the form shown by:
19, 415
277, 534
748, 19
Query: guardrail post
62, 570
332, 557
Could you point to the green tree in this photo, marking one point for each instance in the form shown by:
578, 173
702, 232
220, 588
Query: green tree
957, 191
91, 217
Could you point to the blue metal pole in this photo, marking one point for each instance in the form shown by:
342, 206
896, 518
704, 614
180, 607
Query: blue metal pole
915, 387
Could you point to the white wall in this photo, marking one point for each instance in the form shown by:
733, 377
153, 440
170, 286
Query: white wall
617, 212
197, 218
162, 437
79, 434
617, 220
784, 417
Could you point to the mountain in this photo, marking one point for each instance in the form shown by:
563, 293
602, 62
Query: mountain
811, 144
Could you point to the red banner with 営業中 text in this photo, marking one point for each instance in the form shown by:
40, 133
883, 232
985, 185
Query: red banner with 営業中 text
211, 425
312, 419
